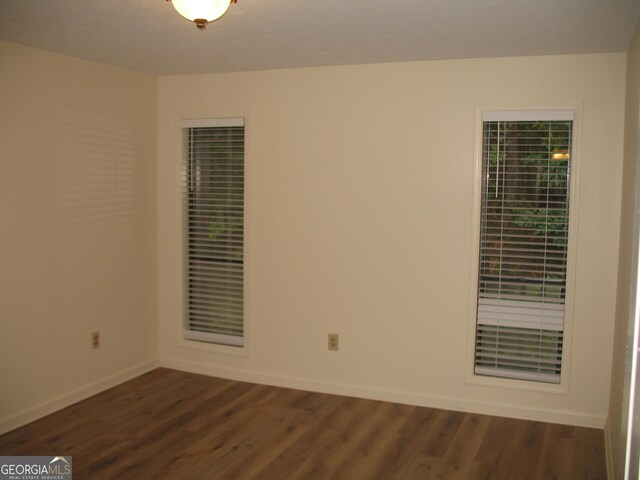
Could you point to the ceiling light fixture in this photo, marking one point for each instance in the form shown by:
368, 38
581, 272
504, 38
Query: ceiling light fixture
201, 12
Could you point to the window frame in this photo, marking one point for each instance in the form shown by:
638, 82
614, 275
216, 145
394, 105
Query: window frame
182, 340
525, 112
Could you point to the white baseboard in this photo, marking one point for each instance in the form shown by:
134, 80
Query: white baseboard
409, 398
61, 401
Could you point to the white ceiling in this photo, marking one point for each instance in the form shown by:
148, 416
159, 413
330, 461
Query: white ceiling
150, 36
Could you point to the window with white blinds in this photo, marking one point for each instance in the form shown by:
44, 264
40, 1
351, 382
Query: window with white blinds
522, 276
213, 199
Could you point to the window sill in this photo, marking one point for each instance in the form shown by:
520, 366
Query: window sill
213, 347
515, 384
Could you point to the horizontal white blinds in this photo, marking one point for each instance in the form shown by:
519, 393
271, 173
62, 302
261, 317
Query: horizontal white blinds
208, 123
523, 245
532, 315
528, 115
213, 186
519, 353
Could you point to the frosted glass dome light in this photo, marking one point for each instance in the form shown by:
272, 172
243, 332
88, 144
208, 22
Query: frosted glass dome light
201, 12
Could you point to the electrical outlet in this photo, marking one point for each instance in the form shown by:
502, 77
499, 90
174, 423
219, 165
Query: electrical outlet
333, 341
95, 340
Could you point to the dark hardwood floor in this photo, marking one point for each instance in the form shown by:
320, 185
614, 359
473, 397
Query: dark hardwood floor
174, 425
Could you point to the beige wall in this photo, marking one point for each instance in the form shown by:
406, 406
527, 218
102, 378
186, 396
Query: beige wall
360, 203
77, 209
628, 241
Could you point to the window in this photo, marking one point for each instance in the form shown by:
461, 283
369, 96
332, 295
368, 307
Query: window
522, 275
213, 199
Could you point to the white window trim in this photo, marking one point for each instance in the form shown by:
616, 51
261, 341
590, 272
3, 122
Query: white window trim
486, 112
196, 119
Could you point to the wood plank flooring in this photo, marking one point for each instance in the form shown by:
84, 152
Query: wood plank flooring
175, 425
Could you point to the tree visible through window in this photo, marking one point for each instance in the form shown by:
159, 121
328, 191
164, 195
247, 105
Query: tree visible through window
523, 248
214, 231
